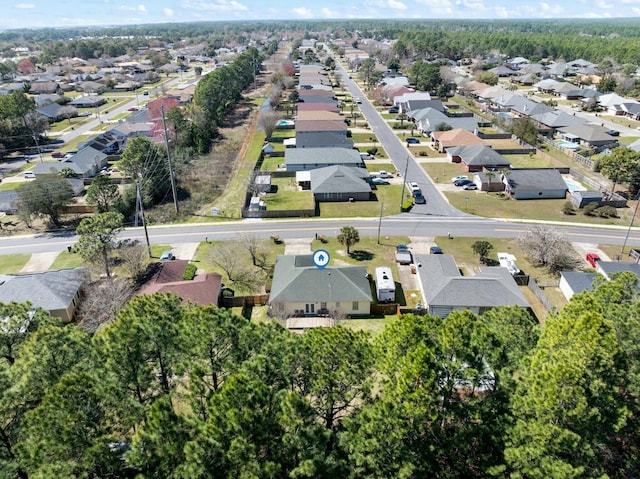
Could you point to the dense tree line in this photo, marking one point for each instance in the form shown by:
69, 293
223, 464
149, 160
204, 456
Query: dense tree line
20, 125
184, 391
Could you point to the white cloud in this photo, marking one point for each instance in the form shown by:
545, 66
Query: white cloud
302, 12
140, 8
327, 13
25, 5
392, 4
215, 6
603, 4
436, 4
168, 12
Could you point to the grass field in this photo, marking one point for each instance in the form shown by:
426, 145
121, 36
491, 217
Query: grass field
388, 195
13, 263
288, 196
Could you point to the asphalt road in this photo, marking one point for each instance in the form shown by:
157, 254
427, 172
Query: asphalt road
408, 224
401, 155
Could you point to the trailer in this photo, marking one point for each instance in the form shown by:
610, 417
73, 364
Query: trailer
508, 261
385, 285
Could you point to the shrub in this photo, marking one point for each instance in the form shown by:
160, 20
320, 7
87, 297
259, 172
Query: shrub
372, 151
568, 209
590, 208
423, 153
607, 212
190, 272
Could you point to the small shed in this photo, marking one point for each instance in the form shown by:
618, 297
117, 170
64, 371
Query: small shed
263, 183
580, 199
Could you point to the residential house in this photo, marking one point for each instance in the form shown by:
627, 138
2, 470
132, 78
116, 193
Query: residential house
297, 159
86, 163
55, 112
432, 119
456, 137
319, 139
44, 87
299, 288
477, 157
534, 183
89, 101
8, 201
329, 126
574, 282
317, 106
550, 121
340, 183
588, 135
58, 292
167, 277
445, 289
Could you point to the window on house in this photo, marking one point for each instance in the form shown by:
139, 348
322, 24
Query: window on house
323, 305
355, 306
337, 304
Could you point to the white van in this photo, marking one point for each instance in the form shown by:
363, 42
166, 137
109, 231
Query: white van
29, 174
380, 174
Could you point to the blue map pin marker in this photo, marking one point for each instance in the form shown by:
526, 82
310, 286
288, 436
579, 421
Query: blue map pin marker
321, 258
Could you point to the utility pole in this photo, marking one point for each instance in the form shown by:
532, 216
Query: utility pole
404, 183
171, 175
380, 221
630, 224
144, 220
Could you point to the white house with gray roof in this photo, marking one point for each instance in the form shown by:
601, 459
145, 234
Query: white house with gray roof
340, 183
299, 288
445, 290
298, 159
534, 184
57, 292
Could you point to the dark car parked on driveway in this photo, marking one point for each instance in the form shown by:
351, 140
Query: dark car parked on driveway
412, 140
462, 182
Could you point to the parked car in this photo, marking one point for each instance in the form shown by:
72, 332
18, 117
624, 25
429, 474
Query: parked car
462, 182
593, 259
380, 174
402, 247
133, 108
459, 177
167, 256
470, 186
379, 181
29, 174
412, 140
414, 186
418, 198
614, 132
435, 250
394, 109
57, 154
358, 100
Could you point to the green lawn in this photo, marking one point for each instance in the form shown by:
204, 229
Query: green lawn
389, 195
381, 167
364, 138
528, 161
67, 260
288, 196
270, 163
372, 326
284, 133
13, 263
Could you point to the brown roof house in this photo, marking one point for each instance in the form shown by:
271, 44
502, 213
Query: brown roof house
166, 277
455, 137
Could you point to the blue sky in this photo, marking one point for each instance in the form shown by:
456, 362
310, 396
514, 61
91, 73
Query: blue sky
62, 13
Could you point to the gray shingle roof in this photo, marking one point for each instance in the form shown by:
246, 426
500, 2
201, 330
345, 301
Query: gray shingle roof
444, 286
296, 279
339, 179
321, 156
478, 155
535, 178
50, 290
